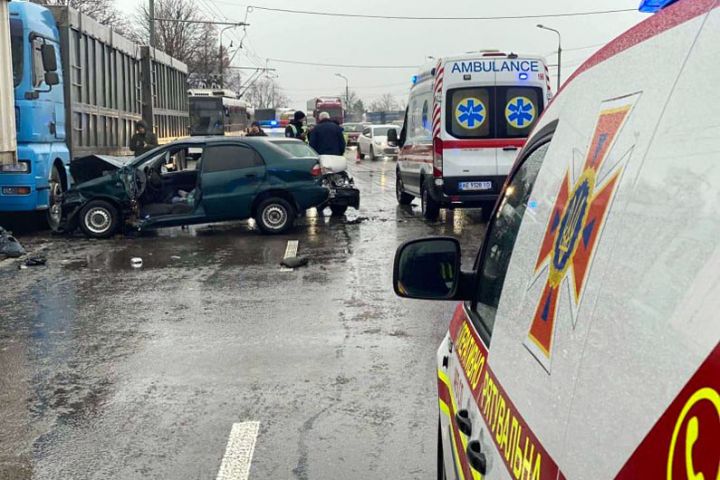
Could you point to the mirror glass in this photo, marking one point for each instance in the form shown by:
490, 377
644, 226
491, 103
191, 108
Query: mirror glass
48, 58
428, 269
51, 78
392, 135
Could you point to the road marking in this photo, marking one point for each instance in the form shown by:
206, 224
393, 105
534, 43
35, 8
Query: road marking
290, 251
239, 452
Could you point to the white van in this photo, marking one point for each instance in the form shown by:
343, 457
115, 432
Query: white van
467, 118
587, 343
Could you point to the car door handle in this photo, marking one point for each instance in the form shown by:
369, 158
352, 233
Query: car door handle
510, 149
476, 458
464, 424
251, 175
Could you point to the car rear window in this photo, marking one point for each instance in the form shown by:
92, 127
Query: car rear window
229, 157
297, 149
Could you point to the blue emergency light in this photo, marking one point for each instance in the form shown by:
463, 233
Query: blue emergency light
414, 79
652, 6
523, 75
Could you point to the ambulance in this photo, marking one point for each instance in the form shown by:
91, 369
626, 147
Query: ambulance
467, 118
587, 341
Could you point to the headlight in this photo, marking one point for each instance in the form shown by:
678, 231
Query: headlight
23, 166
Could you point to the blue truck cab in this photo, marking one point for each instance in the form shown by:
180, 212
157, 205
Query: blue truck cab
44, 157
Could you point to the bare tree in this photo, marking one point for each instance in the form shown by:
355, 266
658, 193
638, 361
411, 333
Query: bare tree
266, 93
386, 103
104, 11
178, 39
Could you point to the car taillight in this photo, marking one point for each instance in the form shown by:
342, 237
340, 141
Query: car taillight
437, 157
316, 170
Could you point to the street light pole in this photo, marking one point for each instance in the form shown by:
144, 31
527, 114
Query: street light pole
559, 52
347, 89
222, 79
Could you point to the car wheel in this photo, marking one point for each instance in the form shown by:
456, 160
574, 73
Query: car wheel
440, 457
54, 211
402, 197
430, 208
275, 215
99, 219
338, 210
372, 154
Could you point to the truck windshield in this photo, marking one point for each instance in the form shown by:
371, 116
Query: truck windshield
207, 116
16, 40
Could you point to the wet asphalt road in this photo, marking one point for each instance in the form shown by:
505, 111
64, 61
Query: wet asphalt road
110, 372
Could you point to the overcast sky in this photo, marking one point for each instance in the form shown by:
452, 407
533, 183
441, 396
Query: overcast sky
392, 42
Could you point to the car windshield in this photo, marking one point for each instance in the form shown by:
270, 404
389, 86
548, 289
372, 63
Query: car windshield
16, 39
297, 149
381, 131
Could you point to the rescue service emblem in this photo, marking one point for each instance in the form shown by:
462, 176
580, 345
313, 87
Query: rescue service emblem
520, 112
471, 113
574, 227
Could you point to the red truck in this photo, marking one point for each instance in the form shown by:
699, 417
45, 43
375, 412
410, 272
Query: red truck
331, 105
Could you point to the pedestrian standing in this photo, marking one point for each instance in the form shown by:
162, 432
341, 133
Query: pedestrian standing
297, 128
143, 140
327, 137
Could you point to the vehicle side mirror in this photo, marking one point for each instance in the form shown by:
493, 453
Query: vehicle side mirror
51, 78
49, 60
429, 269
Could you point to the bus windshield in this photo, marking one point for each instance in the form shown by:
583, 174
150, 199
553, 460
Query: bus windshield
207, 116
16, 40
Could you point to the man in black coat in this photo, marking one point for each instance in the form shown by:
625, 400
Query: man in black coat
143, 141
297, 128
327, 137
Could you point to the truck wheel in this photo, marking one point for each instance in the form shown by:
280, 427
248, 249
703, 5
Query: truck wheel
402, 197
54, 211
338, 210
275, 216
430, 208
99, 219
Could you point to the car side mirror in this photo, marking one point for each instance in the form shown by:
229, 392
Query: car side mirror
51, 78
429, 269
392, 137
49, 59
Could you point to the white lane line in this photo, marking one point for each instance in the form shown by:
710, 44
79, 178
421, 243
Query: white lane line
239, 452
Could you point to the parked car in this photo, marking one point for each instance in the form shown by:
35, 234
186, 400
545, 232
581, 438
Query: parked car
352, 133
374, 142
191, 181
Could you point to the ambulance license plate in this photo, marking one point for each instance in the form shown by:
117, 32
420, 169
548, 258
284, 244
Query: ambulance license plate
474, 186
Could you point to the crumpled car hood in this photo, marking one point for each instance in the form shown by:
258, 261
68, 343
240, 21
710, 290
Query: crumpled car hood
88, 168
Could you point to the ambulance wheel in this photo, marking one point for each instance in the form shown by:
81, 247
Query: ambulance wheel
430, 208
440, 456
338, 210
402, 197
99, 219
274, 216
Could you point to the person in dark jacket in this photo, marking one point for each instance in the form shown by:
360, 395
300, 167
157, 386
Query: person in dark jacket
297, 128
143, 140
327, 137
256, 130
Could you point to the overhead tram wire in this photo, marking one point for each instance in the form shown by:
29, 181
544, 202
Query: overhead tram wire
339, 65
251, 8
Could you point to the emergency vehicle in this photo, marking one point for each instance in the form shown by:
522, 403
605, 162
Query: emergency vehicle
587, 341
467, 118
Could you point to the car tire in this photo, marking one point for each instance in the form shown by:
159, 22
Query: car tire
99, 219
440, 457
338, 210
402, 197
54, 211
430, 208
275, 216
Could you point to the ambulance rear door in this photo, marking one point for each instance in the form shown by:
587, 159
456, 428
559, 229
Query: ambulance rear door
520, 98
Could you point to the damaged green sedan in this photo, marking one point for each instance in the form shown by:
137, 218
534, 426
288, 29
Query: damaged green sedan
193, 181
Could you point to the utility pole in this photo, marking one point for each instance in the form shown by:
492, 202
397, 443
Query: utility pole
559, 52
347, 90
152, 23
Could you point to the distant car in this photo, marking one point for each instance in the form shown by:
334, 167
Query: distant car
352, 132
191, 181
373, 142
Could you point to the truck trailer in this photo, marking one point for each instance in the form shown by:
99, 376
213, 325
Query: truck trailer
79, 89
